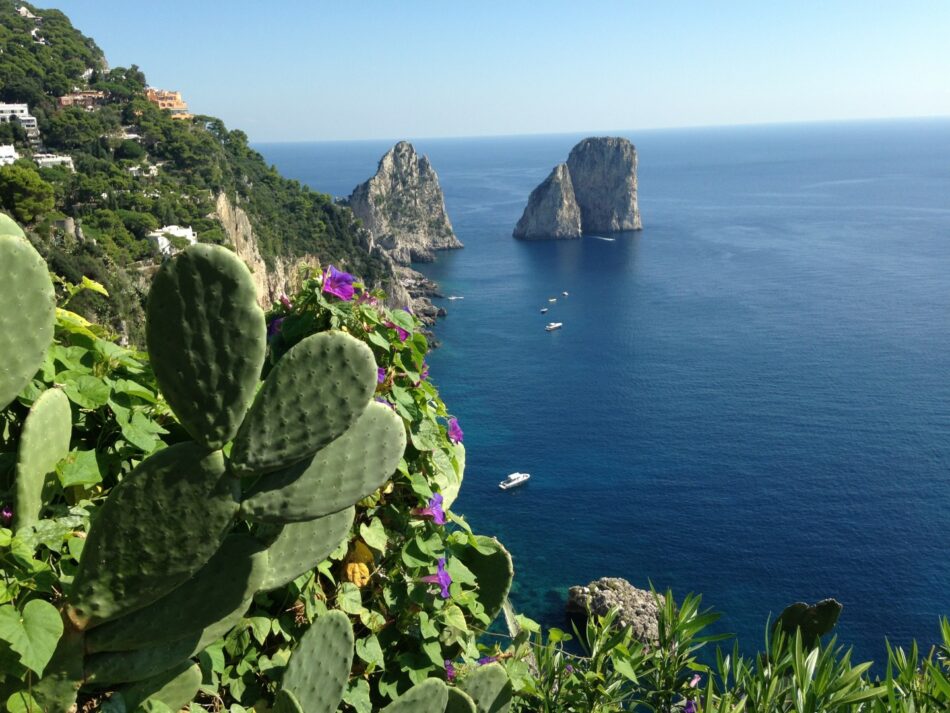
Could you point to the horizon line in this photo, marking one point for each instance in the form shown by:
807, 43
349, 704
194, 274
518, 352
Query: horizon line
684, 127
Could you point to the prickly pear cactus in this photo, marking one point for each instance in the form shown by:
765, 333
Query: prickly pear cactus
493, 569
319, 668
459, 702
27, 311
430, 696
490, 689
44, 442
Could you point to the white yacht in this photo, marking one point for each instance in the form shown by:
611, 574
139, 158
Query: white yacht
553, 299
564, 293
554, 325
455, 297
544, 310
514, 480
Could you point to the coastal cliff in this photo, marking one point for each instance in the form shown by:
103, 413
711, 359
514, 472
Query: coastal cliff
552, 210
403, 209
595, 191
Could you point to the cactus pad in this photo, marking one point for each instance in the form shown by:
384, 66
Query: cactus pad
175, 687
315, 392
429, 696
155, 530
319, 668
490, 688
27, 314
493, 571
286, 702
206, 338
302, 546
348, 469
8, 226
62, 678
221, 589
459, 702
44, 442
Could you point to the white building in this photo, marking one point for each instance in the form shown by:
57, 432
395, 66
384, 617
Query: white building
164, 234
48, 160
8, 154
23, 11
21, 113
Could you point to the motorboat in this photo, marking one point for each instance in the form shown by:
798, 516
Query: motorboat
564, 293
554, 325
544, 310
514, 480
553, 299
455, 297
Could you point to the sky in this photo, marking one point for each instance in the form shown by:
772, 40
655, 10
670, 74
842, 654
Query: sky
299, 71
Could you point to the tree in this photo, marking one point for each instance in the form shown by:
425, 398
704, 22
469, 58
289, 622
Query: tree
24, 193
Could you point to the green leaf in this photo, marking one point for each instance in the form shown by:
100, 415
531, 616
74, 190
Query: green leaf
141, 431
79, 468
454, 618
260, 627
349, 599
379, 340
32, 634
86, 390
357, 696
426, 436
374, 535
368, 650
22, 702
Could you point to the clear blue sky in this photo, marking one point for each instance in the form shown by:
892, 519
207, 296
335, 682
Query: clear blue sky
371, 69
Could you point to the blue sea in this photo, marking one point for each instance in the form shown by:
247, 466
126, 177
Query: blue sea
749, 399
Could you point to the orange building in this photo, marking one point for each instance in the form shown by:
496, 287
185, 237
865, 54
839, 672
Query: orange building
169, 100
87, 99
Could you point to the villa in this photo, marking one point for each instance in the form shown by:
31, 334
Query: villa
21, 114
168, 235
170, 100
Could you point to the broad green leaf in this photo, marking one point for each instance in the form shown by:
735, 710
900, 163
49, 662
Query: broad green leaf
426, 436
32, 634
86, 390
349, 599
79, 468
374, 534
88, 284
368, 650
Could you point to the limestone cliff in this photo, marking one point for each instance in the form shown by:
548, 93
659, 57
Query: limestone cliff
604, 173
403, 208
595, 192
552, 210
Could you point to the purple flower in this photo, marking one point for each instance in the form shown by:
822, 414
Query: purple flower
380, 375
338, 283
425, 371
455, 431
274, 327
285, 301
384, 402
485, 660
6, 515
433, 510
402, 333
450, 671
443, 579
568, 669
690, 707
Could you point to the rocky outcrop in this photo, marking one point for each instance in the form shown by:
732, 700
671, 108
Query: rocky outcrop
604, 172
552, 210
403, 208
599, 182
637, 607
283, 277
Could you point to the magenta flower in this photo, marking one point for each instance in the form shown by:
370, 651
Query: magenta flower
433, 510
384, 402
442, 578
455, 431
485, 660
450, 671
338, 283
285, 301
6, 515
690, 707
380, 375
425, 371
401, 333
274, 327
568, 669
695, 681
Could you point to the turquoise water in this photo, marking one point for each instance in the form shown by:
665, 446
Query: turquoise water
749, 399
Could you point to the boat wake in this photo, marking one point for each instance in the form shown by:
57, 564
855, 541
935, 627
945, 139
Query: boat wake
601, 237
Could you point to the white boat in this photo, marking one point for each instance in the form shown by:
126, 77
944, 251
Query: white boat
544, 310
564, 293
554, 325
514, 480
553, 299
455, 297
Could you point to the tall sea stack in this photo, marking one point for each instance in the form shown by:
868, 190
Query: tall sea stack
403, 208
599, 181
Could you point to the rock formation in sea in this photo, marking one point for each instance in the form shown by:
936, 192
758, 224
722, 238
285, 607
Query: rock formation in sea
403, 208
599, 182
637, 607
552, 211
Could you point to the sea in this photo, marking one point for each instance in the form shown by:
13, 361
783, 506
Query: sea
749, 398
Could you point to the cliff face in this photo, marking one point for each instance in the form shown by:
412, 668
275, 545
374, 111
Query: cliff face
403, 208
604, 172
552, 210
596, 192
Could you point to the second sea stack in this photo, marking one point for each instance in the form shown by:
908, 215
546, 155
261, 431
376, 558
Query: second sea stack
599, 180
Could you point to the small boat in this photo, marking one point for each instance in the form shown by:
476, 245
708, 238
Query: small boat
544, 310
455, 297
554, 325
553, 299
514, 480
564, 293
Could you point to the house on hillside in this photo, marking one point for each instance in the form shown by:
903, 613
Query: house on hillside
170, 100
172, 239
49, 160
88, 99
8, 154
21, 113
24, 11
